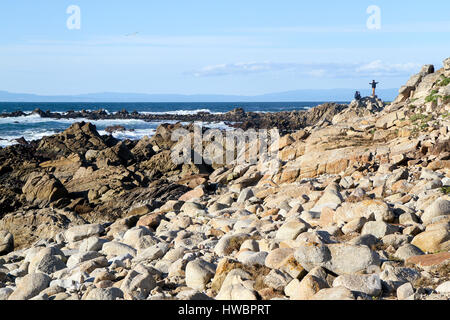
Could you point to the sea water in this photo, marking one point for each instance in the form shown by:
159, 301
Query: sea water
33, 127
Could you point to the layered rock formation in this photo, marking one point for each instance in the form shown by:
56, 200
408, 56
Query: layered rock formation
359, 209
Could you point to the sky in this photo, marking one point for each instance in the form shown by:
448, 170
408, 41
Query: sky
245, 47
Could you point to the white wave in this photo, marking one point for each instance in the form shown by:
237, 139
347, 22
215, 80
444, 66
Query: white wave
29, 135
23, 119
35, 118
213, 125
136, 134
50, 127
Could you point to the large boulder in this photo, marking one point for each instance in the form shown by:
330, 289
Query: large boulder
143, 149
162, 138
78, 233
411, 86
229, 243
338, 258
33, 225
198, 274
370, 209
441, 207
30, 286
48, 261
306, 288
235, 287
433, 241
138, 283
291, 229
6, 242
367, 284
407, 251
337, 293
447, 67
387, 121
100, 294
331, 198
114, 249
379, 229
347, 259
63, 168
42, 189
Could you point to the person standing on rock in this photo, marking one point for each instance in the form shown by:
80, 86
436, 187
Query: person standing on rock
374, 86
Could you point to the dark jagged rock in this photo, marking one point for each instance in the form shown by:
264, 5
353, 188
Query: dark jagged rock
116, 128
43, 189
143, 150
78, 138
16, 163
22, 141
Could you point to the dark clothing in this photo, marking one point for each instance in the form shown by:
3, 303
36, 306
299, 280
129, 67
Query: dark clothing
357, 95
374, 84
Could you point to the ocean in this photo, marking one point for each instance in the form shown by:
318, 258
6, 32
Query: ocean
33, 127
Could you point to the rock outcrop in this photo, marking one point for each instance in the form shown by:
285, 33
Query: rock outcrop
43, 189
357, 209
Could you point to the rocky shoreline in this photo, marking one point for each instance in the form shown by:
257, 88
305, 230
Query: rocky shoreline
285, 121
359, 209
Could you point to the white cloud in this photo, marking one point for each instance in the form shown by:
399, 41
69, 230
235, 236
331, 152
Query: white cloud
317, 70
379, 68
241, 68
317, 73
304, 29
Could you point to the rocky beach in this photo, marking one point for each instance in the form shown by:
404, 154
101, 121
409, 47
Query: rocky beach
358, 210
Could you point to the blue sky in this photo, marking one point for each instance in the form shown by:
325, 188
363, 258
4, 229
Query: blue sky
244, 47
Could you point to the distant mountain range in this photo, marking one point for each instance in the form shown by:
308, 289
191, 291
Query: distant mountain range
288, 96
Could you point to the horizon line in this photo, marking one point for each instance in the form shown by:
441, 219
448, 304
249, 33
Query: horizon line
186, 94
